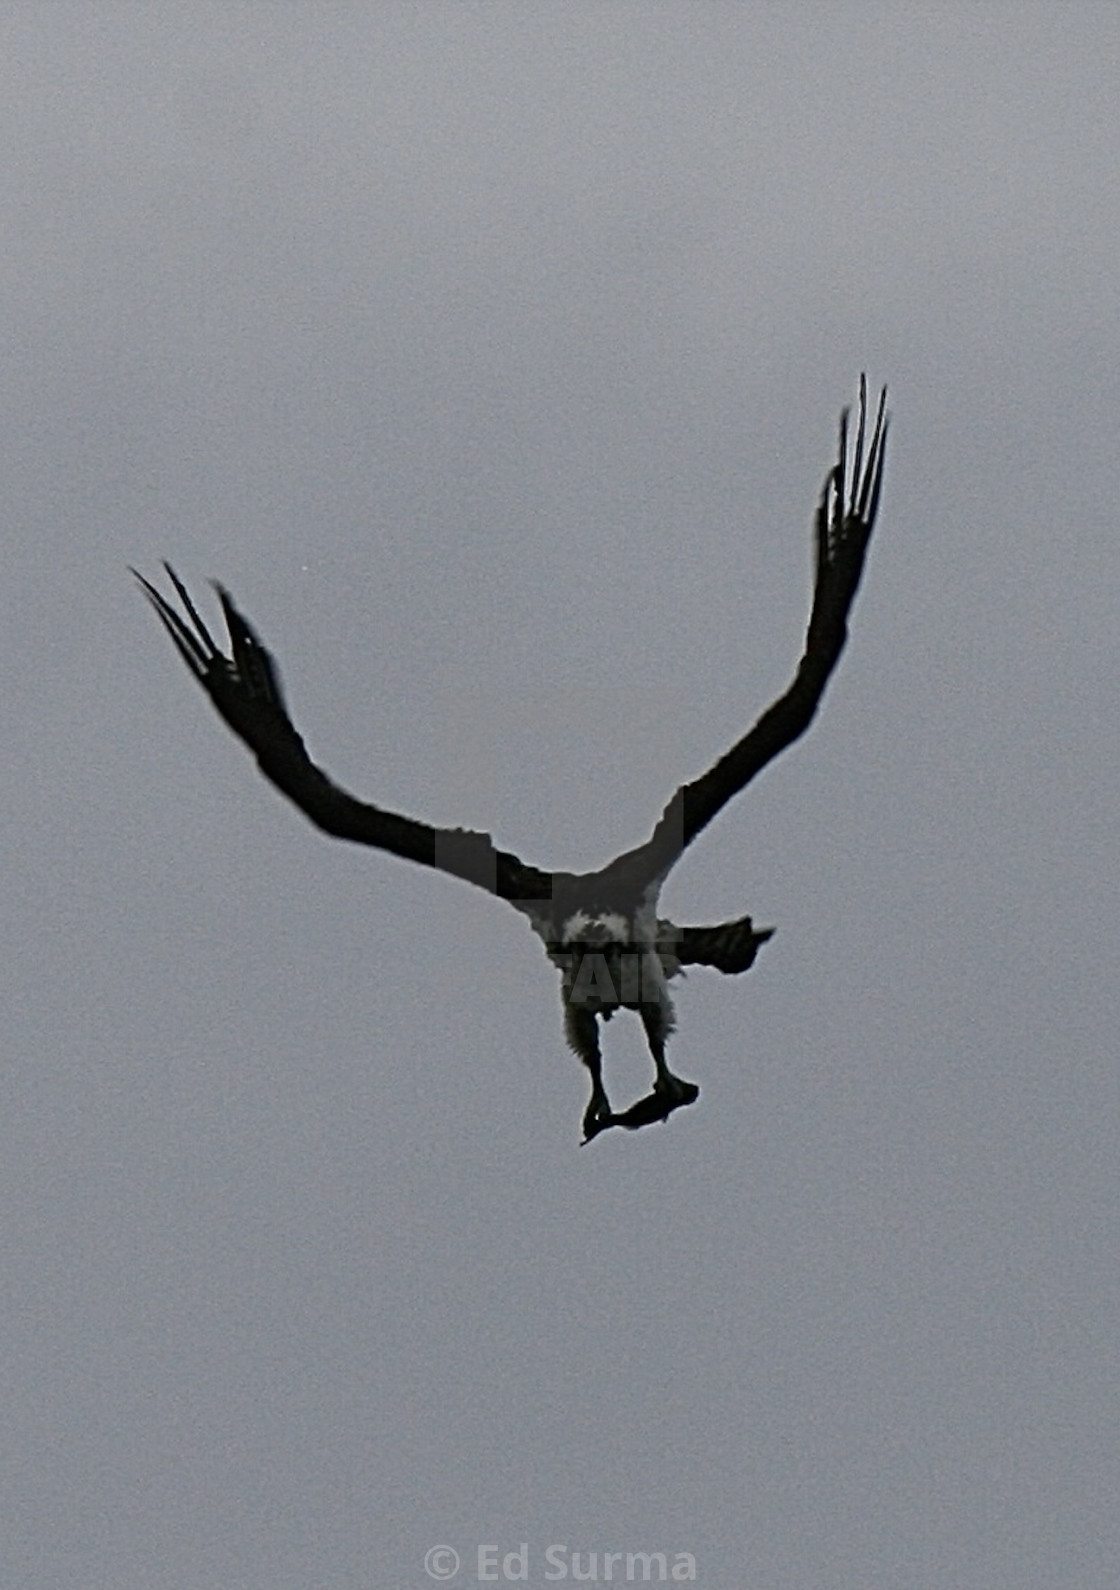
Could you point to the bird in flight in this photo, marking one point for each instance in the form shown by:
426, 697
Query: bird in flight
601, 929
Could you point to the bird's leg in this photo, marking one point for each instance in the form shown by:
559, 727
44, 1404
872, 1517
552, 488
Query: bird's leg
581, 1028
669, 1092
665, 1085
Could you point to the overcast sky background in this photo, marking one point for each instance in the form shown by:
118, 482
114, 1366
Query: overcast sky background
492, 354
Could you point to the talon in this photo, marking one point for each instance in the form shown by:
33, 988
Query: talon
597, 1118
676, 1089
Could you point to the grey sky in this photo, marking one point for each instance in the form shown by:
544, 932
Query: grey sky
492, 355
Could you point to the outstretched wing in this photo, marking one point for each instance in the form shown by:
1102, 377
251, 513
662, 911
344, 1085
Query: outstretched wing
245, 689
845, 520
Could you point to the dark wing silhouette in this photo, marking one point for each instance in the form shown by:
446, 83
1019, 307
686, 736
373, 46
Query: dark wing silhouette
843, 530
245, 689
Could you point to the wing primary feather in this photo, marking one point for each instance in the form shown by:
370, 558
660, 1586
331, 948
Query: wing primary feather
857, 461
869, 500
186, 643
253, 661
192, 611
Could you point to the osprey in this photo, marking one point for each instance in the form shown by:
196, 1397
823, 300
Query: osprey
601, 929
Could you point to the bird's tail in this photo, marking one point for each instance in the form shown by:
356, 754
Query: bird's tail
729, 947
